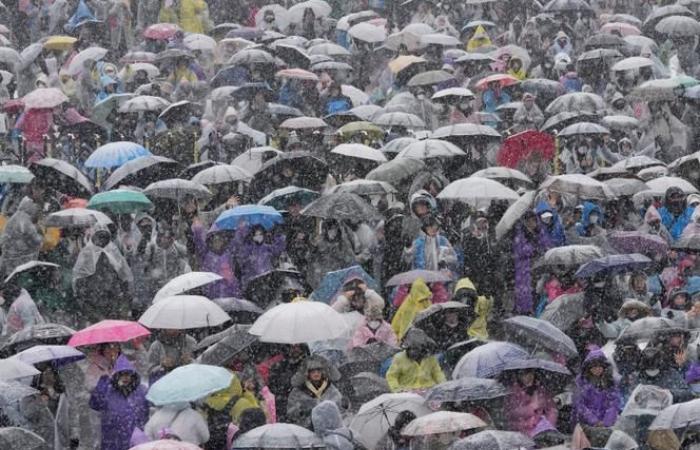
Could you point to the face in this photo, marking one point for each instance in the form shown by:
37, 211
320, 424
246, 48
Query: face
597, 371
315, 375
531, 223
217, 242
101, 239
165, 240
431, 230
124, 379
421, 209
452, 319
527, 378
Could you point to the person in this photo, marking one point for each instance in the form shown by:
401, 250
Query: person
431, 250
171, 349
419, 299
120, 399
256, 251
313, 383
494, 96
479, 308
653, 371
527, 402
675, 215
281, 375
215, 249
528, 244
373, 328
328, 425
630, 311
335, 101
180, 420
415, 368
22, 237
165, 257
22, 313
481, 254
591, 224
394, 438
528, 115
356, 296
332, 249
597, 396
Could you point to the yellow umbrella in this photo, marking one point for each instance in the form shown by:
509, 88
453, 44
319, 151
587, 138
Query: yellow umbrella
59, 43
400, 63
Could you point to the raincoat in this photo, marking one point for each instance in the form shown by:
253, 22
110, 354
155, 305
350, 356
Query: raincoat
34, 125
653, 224
328, 425
193, 14
585, 228
302, 399
220, 263
526, 248
364, 335
480, 39
406, 374
372, 299
181, 420
596, 404
121, 410
675, 224
164, 264
420, 252
418, 300
554, 230
523, 409
21, 239
482, 307
329, 255
22, 314
255, 259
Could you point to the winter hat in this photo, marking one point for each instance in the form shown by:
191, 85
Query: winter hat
374, 312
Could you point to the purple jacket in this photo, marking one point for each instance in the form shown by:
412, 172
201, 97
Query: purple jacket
119, 414
255, 259
221, 264
593, 404
525, 252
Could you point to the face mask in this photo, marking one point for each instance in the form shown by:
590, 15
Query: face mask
374, 324
332, 233
547, 220
421, 96
593, 218
652, 372
465, 105
258, 238
599, 285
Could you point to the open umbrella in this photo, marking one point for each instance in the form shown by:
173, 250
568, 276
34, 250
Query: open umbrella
579, 185
430, 148
289, 323
279, 435
442, 422
462, 130
407, 278
161, 31
115, 154
660, 185
397, 171
108, 331
188, 384
142, 171
569, 256
58, 355
20, 438
576, 101
451, 94
222, 173
227, 345
280, 199
340, 206
555, 374
494, 440
40, 334
13, 173
524, 146
366, 32
477, 192
678, 26
120, 201
31, 267
540, 334
514, 213
466, 389
359, 151
612, 264
253, 159
303, 123
375, 417
488, 360
166, 444
186, 282
328, 49
401, 119
430, 78
364, 187
252, 215
14, 391
14, 369
689, 243
502, 79
664, 89
396, 145
632, 63
144, 103
503, 174
564, 311
44, 98
645, 328
625, 186
77, 63
177, 189
310, 172
333, 281
76, 218
636, 241
583, 128
183, 312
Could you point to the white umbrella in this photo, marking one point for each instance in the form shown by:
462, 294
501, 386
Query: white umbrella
30, 53
465, 130
375, 417
660, 185
44, 98
401, 119
279, 435
444, 40
452, 92
76, 218
514, 213
442, 422
186, 282
578, 184
144, 103
359, 151
128, 72
222, 173
198, 41
183, 312
364, 187
10, 56
430, 148
319, 7
328, 49
366, 32
280, 13
632, 63
366, 112
302, 123
92, 53
253, 159
477, 192
177, 189
502, 173
289, 323
14, 369
345, 22
357, 97
29, 266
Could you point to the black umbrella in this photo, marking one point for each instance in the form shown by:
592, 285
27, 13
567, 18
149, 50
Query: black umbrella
43, 334
564, 311
307, 171
368, 358
397, 171
62, 177
540, 333
466, 389
180, 112
292, 55
366, 386
662, 12
604, 40
565, 118
224, 346
555, 374
432, 319
142, 171
340, 206
241, 310
267, 288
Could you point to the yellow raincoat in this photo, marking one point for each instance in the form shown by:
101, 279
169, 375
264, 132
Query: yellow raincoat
245, 399
417, 300
478, 40
191, 15
406, 374
520, 74
478, 328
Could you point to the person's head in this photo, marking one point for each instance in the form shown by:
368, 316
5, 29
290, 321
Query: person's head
680, 301
530, 220
110, 351
421, 207
528, 100
331, 229
189, 204
145, 225
101, 237
309, 16
374, 315
315, 375
452, 319
526, 378
257, 235
37, 191
596, 369
125, 221
217, 242
675, 200
269, 16
166, 237
515, 64
547, 218
430, 226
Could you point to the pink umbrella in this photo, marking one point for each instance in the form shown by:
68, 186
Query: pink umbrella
622, 28
161, 31
166, 444
44, 98
108, 331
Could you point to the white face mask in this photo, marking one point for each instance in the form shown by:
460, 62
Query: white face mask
547, 220
258, 238
374, 324
593, 218
465, 105
332, 233
652, 372
695, 387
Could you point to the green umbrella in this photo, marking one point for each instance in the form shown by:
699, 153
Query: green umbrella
15, 174
120, 201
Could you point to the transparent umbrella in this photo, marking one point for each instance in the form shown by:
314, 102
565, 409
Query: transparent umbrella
279, 435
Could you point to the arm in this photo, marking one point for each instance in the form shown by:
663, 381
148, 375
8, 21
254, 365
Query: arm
98, 401
437, 375
613, 400
393, 375
199, 238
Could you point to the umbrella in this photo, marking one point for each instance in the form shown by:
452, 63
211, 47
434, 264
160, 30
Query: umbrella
46, 333
563, 119
625, 186
251, 215
310, 171
503, 174
319, 7
44, 98
227, 345
494, 440
144, 103
137, 57
234, 305
297, 74
397, 171
368, 358
279, 435
570, 255
375, 417
579, 185
678, 26
621, 28
442, 422
603, 40
289, 323
340, 206
120, 201
613, 263
645, 328
488, 360
188, 384
13, 173
222, 173
183, 312
567, 6
278, 12
441, 39
177, 189
407, 278
181, 110
253, 159
635, 163
632, 63
355, 127
115, 154
30, 53
59, 355
466, 389
60, 43
333, 281
142, 171
161, 31
451, 94
249, 56
523, 146
198, 41
672, 420
660, 185
365, 31
166, 444
690, 243
576, 101
477, 192
431, 319
620, 122
398, 144
330, 66
29, 267
555, 373
108, 331
280, 199
359, 151
400, 119
76, 218
20, 438
104, 108
636, 241
503, 79
303, 123
430, 148
357, 97
14, 391
328, 49
582, 128
10, 56
77, 63
364, 187
403, 62
665, 89
13, 369
564, 311
465, 130
430, 78
540, 334
186, 282
514, 213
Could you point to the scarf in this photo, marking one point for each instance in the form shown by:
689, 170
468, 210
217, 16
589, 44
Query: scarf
431, 253
318, 392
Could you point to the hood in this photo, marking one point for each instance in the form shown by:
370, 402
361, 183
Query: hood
595, 356
220, 399
561, 35
416, 338
315, 362
326, 417
420, 291
644, 309
543, 207
588, 209
464, 283
652, 215
124, 365
673, 190
422, 195
28, 206
106, 80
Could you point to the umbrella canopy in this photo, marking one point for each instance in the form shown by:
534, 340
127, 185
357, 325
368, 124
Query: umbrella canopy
265, 216
402, 119
177, 189
570, 256
579, 185
523, 146
44, 98
430, 78
340, 206
108, 331
183, 312
310, 172
576, 101
442, 422
632, 63
249, 56
503, 174
466, 389
186, 282
289, 323
407, 278
636, 241
365, 31
302, 123
375, 417
564, 311
364, 187
31, 266
188, 384
397, 171
514, 213
280, 199
359, 151
16, 438
635, 163
15, 369
502, 79
161, 31
45, 333
76, 218
333, 281
430, 148
620, 122
142, 171
144, 103
451, 94
222, 173
678, 26
488, 360
14, 391
226, 345
57, 354
279, 435
77, 63
664, 89
120, 201
612, 264
645, 328
465, 130
13, 173
328, 49
660, 185
494, 440
115, 154
678, 417
538, 333
166, 444
625, 186
690, 243
583, 128
477, 192
252, 160
297, 74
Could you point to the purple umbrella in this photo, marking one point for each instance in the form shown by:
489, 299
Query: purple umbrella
429, 276
488, 360
637, 242
613, 263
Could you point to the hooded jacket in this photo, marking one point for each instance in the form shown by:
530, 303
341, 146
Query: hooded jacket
418, 299
675, 224
181, 420
555, 230
120, 413
585, 227
220, 263
594, 404
652, 215
328, 425
482, 307
302, 400
21, 239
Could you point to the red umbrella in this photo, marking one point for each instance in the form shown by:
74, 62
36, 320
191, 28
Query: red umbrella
502, 78
161, 31
523, 145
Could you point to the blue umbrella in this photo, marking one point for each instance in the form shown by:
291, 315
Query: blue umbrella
280, 199
488, 360
334, 281
612, 264
115, 154
266, 216
188, 384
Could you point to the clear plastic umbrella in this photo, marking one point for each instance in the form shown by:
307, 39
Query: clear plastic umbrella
13, 369
365, 31
442, 422
477, 192
488, 360
183, 312
44, 98
289, 323
402, 119
569, 256
660, 185
494, 440
222, 173
144, 103
20, 438
578, 184
177, 189
92, 53
359, 151
279, 435
186, 282
364, 187
430, 148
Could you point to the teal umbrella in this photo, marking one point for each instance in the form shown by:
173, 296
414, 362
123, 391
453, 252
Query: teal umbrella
15, 174
188, 384
120, 201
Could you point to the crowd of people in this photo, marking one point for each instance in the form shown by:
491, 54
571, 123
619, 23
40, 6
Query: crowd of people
350, 225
